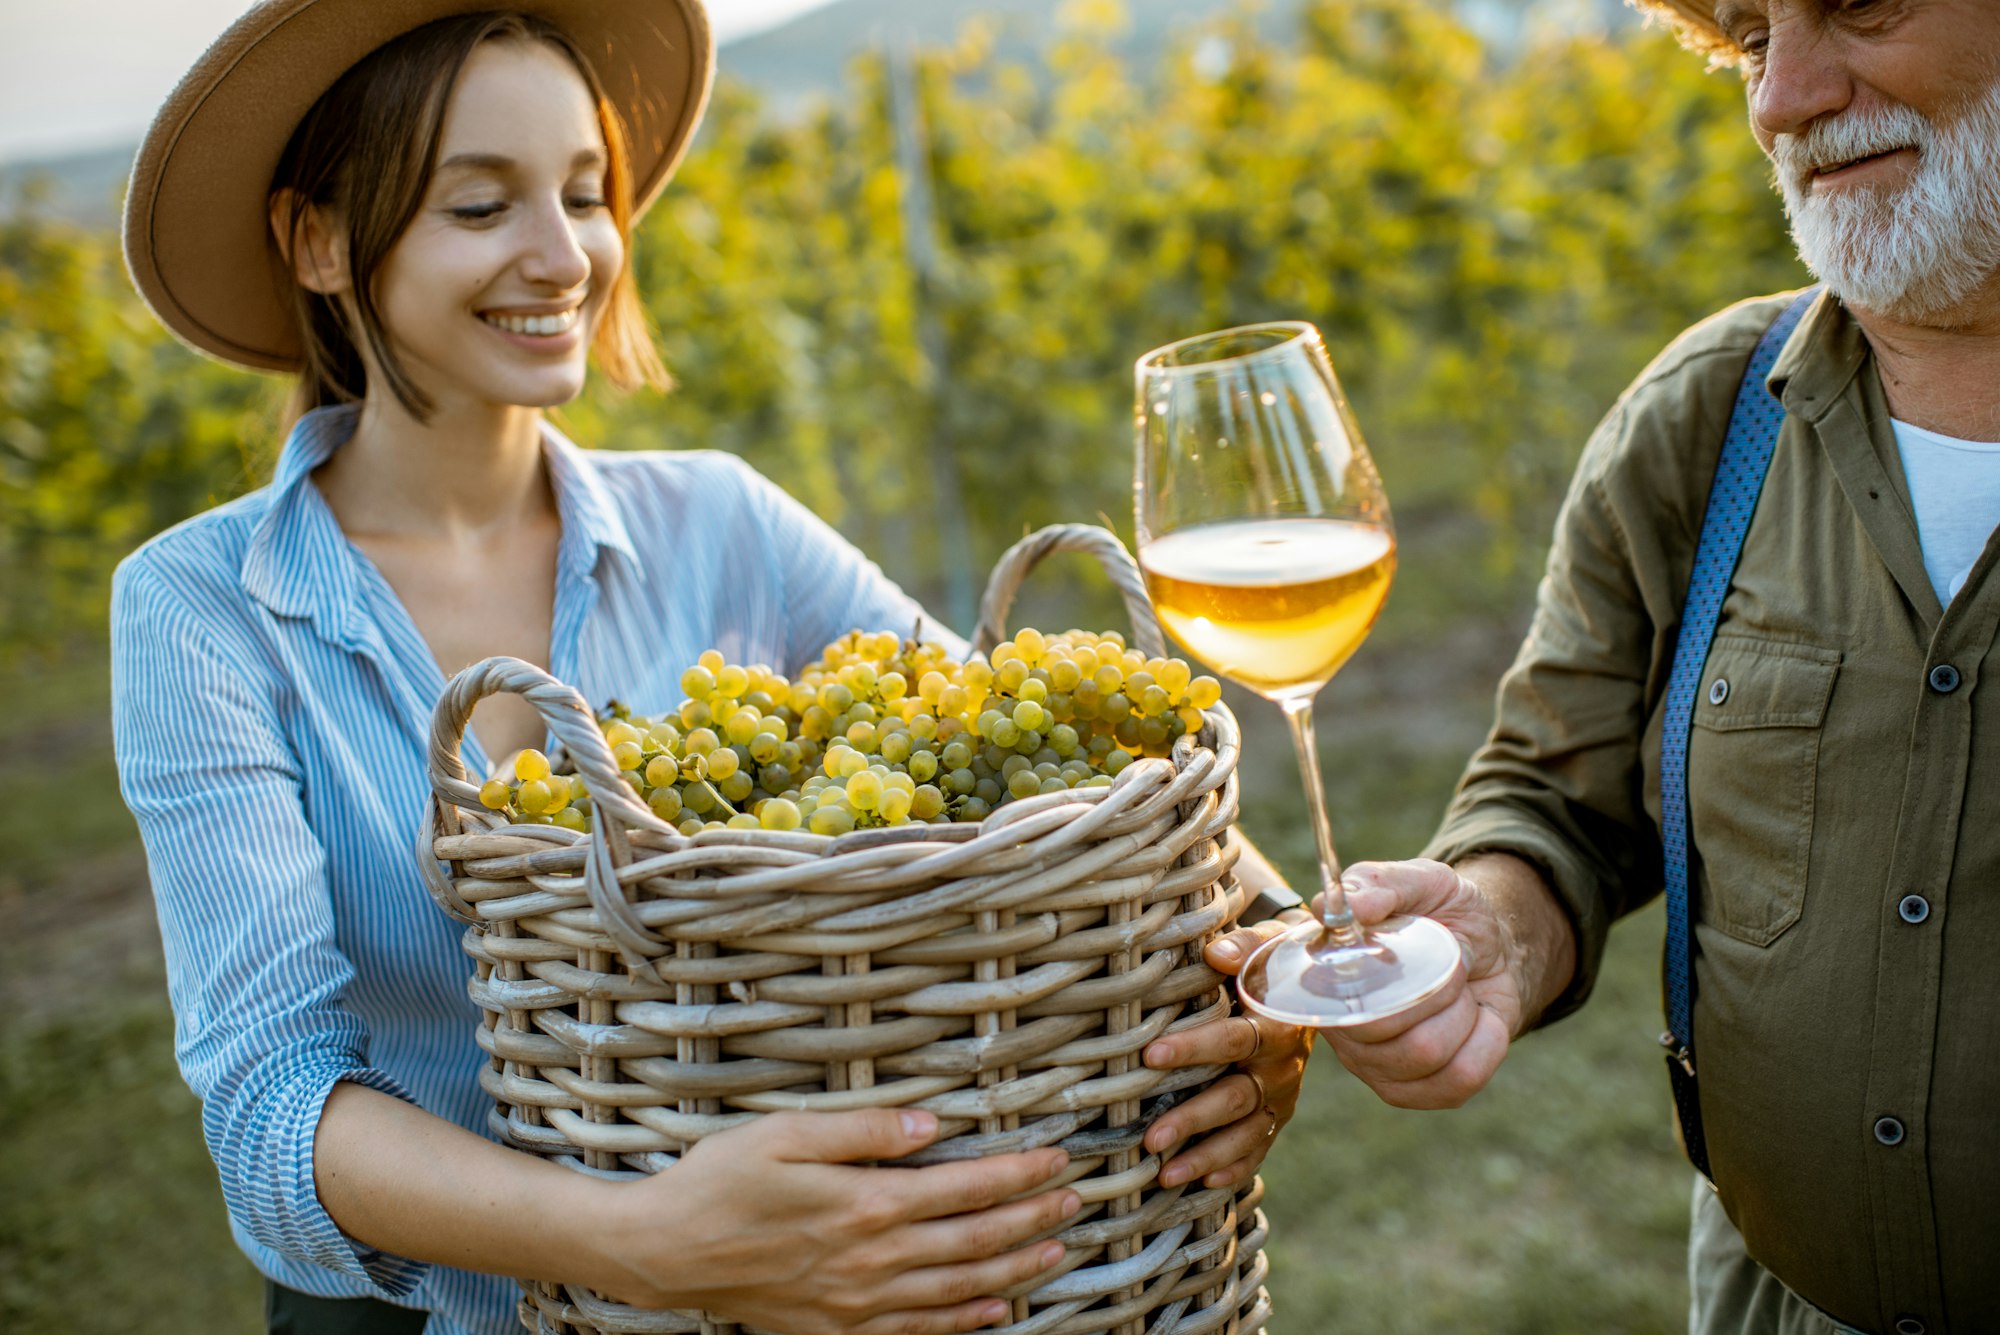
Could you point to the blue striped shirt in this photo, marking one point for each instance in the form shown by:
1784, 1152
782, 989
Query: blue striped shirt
271, 707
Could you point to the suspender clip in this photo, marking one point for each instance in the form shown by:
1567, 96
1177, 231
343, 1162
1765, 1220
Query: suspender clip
1678, 1051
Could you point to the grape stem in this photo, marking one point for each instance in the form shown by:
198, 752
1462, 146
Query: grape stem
1335, 916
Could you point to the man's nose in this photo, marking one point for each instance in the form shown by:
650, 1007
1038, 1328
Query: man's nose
1803, 76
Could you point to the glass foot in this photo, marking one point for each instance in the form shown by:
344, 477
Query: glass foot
1306, 977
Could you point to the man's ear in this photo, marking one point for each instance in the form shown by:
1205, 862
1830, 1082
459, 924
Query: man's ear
316, 250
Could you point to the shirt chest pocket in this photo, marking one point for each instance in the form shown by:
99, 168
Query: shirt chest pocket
1753, 762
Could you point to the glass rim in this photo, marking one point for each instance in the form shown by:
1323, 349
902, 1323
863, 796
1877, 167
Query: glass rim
1152, 363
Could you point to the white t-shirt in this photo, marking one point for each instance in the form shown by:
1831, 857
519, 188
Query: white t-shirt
1955, 486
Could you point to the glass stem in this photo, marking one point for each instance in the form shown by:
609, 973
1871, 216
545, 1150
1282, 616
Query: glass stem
1335, 916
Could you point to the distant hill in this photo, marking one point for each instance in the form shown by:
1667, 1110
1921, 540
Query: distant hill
807, 58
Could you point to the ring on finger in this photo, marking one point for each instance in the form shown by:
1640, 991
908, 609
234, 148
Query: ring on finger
1256, 1036
1263, 1096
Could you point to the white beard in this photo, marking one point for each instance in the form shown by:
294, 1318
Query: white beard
1915, 251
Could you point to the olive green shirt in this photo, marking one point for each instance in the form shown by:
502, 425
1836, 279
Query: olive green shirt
1845, 812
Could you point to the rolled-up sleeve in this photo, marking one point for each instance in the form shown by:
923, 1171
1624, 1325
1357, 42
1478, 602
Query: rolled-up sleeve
239, 879
1559, 781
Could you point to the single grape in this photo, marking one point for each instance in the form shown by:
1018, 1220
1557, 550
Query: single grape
926, 802
1116, 762
628, 755
1005, 733
731, 680
698, 798
1014, 765
1024, 783
662, 770
1028, 716
572, 819
764, 748
989, 791
864, 791
742, 726
895, 748
779, 814
1010, 674
1063, 739
1204, 692
1030, 645
975, 808
736, 787
923, 766
743, 820
896, 806
1034, 688
561, 789
690, 825
1175, 676
695, 714
698, 682
666, 803
700, 742
1154, 701
495, 794
531, 764
832, 821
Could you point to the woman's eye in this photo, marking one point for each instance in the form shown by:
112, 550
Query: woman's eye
585, 203
475, 212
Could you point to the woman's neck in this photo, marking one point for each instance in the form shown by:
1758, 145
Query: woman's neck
469, 476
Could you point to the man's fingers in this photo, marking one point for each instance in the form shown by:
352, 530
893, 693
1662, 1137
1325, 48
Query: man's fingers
968, 1282
1390, 1028
1421, 1051
1231, 1039
1220, 1104
987, 1233
1226, 954
1242, 1140
1378, 890
954, 1188
1465, 1075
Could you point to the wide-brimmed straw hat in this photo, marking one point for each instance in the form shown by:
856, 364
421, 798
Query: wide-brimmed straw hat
197, 229
1693, 21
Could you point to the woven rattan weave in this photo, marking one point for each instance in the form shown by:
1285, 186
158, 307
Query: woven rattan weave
643, 989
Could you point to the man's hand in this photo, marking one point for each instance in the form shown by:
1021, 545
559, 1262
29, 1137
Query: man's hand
1518, 952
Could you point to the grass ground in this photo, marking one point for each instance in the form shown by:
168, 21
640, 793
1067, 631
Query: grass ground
1555, 1202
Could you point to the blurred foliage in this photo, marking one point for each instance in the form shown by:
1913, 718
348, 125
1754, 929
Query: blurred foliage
1492, 250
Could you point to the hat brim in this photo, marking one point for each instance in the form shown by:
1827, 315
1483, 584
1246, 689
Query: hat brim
1693, 22
196, 227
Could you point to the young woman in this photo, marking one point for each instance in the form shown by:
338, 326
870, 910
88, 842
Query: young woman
445, 202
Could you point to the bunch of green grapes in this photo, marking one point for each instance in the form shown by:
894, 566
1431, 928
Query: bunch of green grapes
882, 731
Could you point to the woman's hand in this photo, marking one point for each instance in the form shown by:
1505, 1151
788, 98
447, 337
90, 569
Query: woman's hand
771, 1225
1244, 1110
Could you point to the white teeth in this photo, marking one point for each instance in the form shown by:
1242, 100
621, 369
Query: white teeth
541, 325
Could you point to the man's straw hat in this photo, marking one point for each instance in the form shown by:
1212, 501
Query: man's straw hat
1693, 21
197, 231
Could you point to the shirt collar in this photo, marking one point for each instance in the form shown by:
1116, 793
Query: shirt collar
299, 564
1819, 360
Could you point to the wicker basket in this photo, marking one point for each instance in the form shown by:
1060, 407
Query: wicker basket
643, 989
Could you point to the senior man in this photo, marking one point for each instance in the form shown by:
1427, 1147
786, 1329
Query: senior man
1833, 740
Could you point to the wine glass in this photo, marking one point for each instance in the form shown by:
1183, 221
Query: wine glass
1265, 540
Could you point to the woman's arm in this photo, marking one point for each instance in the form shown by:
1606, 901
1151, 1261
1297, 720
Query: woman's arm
765, 1224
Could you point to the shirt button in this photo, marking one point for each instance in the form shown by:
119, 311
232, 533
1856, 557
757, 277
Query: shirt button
1944, 679
1909, 1325
1889, 1131
1718, 690
1914, 908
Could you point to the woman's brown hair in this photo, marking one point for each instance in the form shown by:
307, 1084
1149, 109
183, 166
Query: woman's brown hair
366, 151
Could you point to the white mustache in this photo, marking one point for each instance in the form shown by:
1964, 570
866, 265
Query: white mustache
1854, 135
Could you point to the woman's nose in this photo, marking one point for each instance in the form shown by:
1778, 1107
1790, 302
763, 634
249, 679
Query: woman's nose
556, 256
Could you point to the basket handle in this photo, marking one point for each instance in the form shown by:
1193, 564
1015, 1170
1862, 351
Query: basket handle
575, 727
1018, 560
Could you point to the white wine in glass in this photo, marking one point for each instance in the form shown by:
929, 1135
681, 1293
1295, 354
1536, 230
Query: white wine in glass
1265, 539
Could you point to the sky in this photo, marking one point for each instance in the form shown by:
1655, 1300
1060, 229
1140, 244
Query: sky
83, 74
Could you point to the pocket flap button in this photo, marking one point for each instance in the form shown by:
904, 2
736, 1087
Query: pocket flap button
1718, 690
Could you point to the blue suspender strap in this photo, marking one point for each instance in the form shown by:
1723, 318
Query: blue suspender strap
1754, 424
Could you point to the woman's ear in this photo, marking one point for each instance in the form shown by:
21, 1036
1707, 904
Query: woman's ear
312, 241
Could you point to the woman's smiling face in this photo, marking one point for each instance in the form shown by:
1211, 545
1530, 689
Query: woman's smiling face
493, 292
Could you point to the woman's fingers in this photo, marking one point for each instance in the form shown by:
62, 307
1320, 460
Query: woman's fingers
968, 1284
955, 1188
1226, 954
977, 1315
1233, 1038
1246, 1141
1223, 1102
987, 1233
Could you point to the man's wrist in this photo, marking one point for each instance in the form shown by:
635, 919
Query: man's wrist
1543, 947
